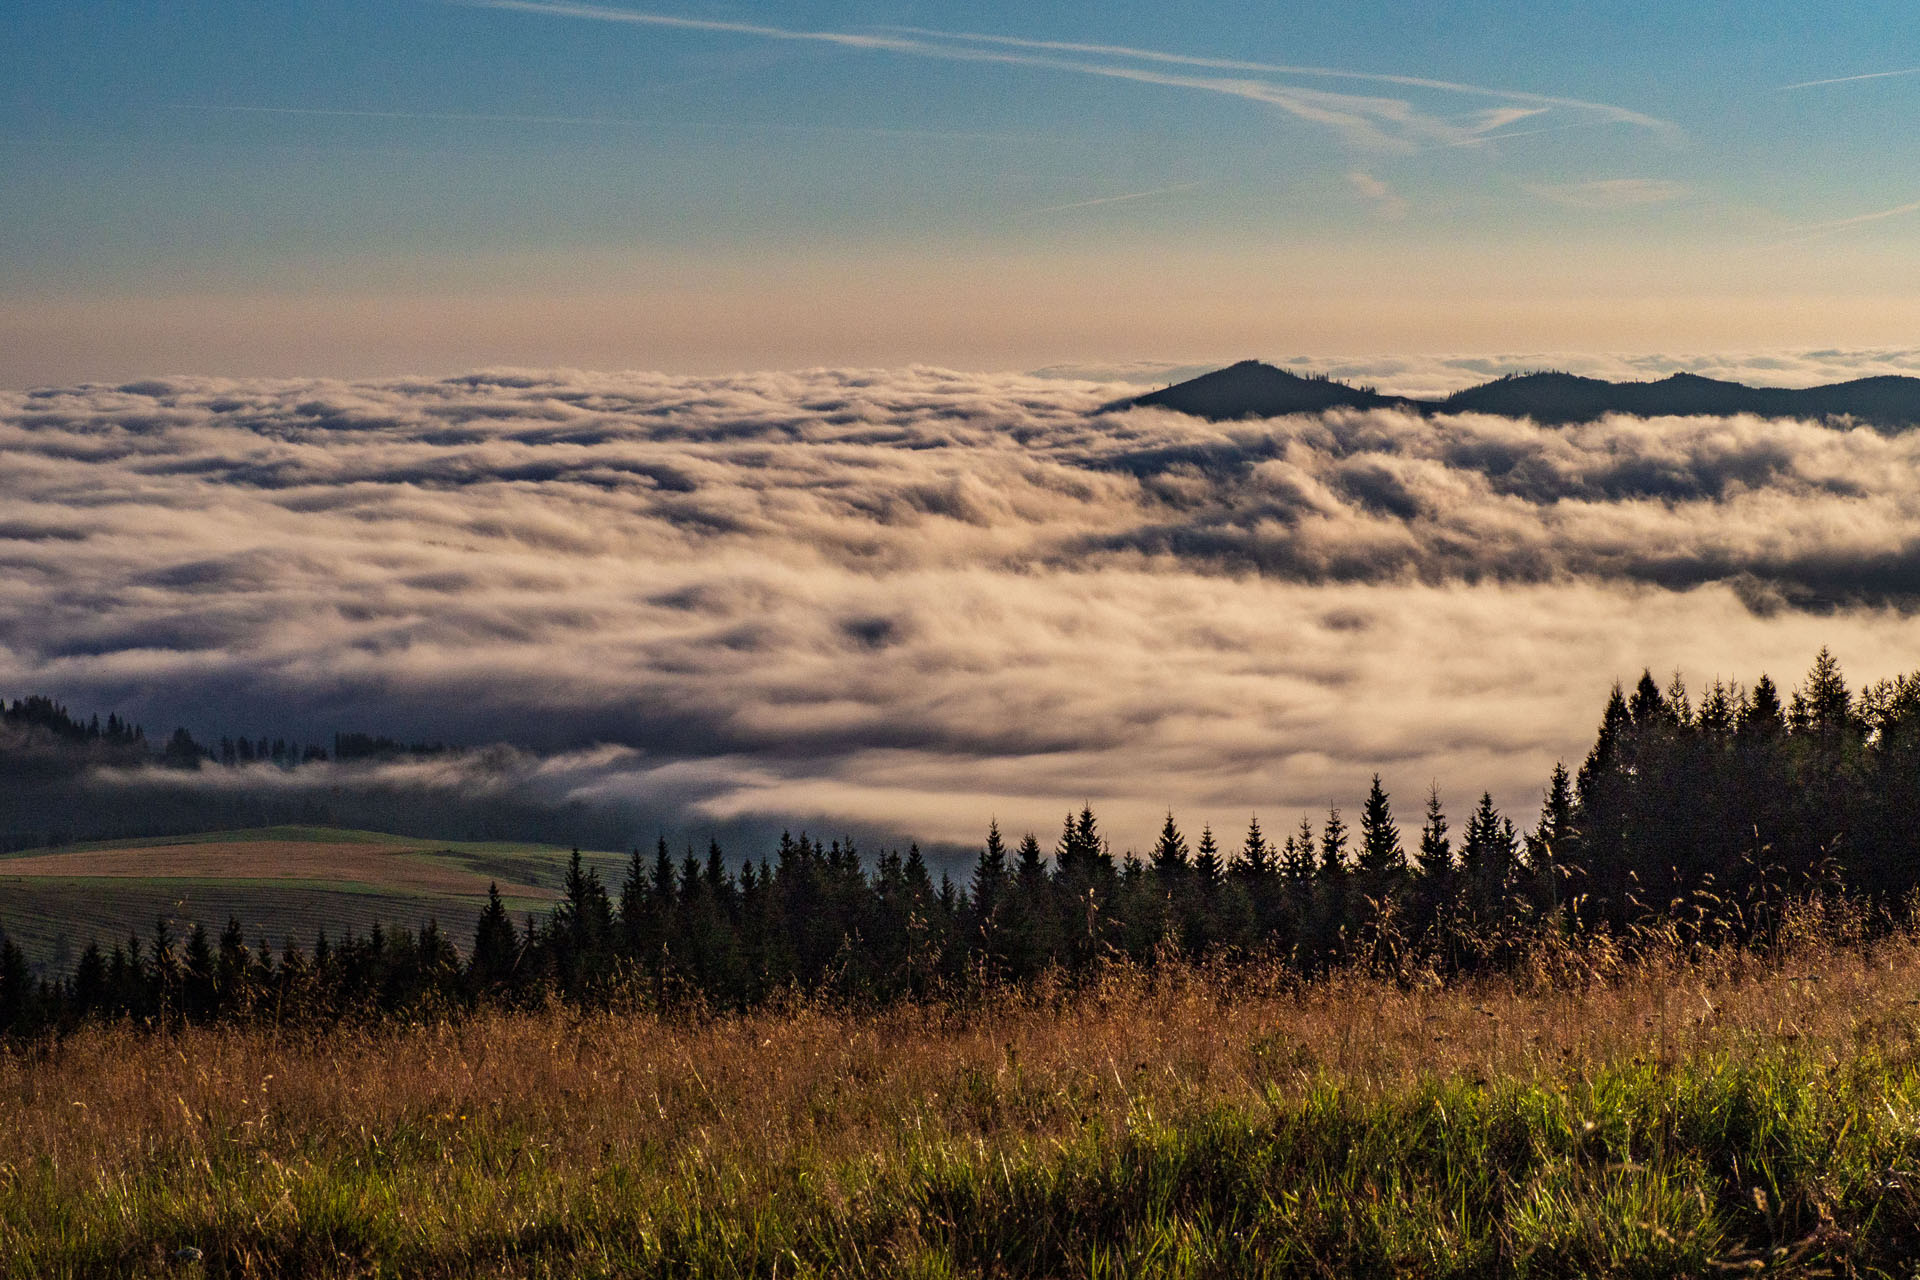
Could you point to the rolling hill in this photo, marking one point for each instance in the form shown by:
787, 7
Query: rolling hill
283, 883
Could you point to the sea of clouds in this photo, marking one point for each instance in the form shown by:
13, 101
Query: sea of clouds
902, 602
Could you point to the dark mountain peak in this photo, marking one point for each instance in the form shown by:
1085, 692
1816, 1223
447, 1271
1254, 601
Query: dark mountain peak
1698, 384
1545, 378
1549, 395
1253, 375
1254, 389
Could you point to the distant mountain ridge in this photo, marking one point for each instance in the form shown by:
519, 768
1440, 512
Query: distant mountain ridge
1252, 389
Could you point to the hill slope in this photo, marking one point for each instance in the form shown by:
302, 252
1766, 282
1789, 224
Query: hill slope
281, 882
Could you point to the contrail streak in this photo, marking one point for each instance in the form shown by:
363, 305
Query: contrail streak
1131, 195
609, 122
1871, 75
1839, 223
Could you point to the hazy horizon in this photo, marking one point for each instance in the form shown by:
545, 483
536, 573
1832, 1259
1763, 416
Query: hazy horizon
214, 188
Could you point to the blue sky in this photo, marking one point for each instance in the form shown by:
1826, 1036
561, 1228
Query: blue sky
364, 187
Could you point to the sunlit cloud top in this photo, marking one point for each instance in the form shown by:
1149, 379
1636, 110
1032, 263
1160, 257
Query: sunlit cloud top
908, 601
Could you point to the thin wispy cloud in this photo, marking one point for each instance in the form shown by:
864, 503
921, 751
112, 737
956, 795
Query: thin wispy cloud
607, 122
458, 117
1366, 122
602, 13
1871, 75
1815, 230
1498, 118
1385, 201
1120, 199
1616, 114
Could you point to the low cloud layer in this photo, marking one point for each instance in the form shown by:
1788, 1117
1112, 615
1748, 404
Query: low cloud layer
903, 601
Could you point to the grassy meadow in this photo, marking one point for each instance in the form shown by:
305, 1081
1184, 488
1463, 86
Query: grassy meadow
285, 883
1687, 1113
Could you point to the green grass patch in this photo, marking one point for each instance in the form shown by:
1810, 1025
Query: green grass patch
1767, 1162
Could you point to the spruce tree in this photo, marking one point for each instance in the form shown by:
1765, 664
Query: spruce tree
1434, 884
1298, 869
1436, 850
233, 965
1717, 711
663, 876
1614, 722
1067, 853
636, 907
1825, 717
198, 974
1487, 858
1169, 855
1030, 865
1648, 708
1296, 857
1258, 862
1380, 868
1828, 705
719, 885
15, 986
1333, 846
1330, 918
1604, 803
90, 983
1082, 856
1032, 939
1257, 874
1679, 705
585, 925
1555, 830
1381, 859
495, 944
1763, 716
1207, 868
988, 889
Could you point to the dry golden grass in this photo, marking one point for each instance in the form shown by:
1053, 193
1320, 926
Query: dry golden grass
482, 1129
828, 1080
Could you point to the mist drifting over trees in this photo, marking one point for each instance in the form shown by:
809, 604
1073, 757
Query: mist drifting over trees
1711, 810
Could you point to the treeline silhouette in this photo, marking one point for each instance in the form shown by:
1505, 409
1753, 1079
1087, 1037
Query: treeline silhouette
48, 755
38, 734
1709, 816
